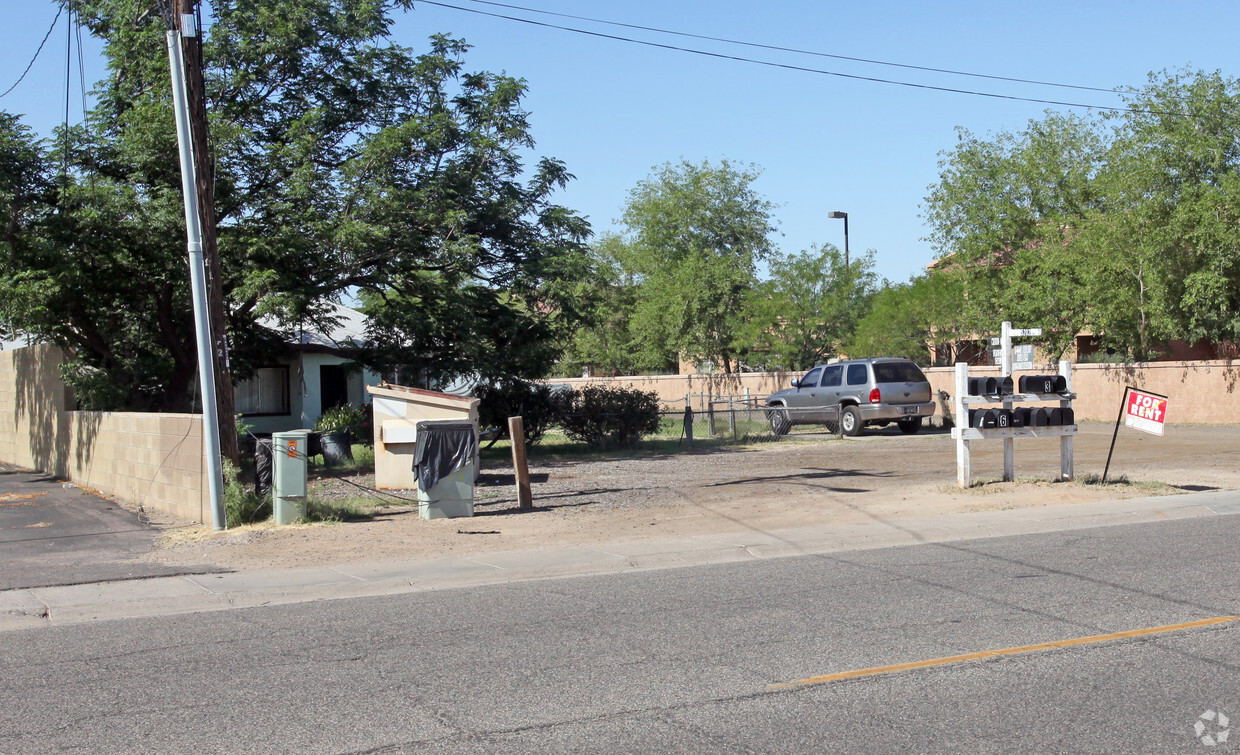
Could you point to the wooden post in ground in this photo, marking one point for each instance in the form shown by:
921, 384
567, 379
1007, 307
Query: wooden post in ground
516, 433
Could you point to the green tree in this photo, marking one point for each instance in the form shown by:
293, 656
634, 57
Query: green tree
344, 164
808, 307
906, 319
1132, 233
1167, 243
694, 236
1009, 212
606, 342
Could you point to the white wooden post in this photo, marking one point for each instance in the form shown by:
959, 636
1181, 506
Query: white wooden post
1067, 469
1009, 444
963, 470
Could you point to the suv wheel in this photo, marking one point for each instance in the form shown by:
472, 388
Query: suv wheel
910, 425
850, 421
778, 418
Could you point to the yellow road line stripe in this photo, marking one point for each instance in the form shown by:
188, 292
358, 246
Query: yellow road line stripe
1005, 651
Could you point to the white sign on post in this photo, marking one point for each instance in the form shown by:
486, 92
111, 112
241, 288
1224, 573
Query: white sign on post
1022, 356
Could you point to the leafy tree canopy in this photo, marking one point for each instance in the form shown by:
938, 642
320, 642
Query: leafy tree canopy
694, 236
808, 307
344, 164
1127, 226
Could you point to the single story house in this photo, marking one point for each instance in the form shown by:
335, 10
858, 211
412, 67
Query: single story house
313, 374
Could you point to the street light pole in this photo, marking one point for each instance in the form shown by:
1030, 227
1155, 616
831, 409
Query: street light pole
836, 215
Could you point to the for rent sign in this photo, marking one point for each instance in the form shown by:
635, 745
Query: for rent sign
1145, 411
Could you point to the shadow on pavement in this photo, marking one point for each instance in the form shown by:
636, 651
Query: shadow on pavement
53, 533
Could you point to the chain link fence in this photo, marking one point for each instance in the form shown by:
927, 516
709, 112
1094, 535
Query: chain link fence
721, 420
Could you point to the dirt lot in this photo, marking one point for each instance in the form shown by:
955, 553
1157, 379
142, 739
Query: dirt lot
883, 476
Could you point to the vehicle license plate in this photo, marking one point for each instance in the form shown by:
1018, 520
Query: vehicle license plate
908, 410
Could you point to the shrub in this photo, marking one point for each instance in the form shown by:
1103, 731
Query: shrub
537, 404
241, 504
604, 418
340, 417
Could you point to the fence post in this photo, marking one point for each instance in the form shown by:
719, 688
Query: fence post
516, 435
689, 425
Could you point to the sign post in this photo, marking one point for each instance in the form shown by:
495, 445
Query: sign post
1140, 410
1006, 333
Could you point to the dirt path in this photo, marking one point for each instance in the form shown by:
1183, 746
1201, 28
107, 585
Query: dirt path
883, 476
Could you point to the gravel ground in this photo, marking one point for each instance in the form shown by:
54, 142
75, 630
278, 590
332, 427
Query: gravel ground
883, 476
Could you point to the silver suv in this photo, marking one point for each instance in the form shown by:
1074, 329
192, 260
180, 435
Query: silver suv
855, 393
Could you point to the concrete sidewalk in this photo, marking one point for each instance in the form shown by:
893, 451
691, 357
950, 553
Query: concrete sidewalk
52, 606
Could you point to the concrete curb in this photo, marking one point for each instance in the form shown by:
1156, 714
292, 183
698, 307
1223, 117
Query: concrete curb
161, 596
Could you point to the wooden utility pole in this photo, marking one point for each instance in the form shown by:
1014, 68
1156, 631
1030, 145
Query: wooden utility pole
191, 49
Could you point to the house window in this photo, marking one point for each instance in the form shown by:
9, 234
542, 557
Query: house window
264, 393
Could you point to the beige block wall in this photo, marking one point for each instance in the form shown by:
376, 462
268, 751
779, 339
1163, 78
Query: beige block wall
153, 460
1201, 392
673, 389
1198, 393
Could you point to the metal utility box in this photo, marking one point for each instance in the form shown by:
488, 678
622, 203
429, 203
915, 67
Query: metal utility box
288, 500
397, 410
443, 462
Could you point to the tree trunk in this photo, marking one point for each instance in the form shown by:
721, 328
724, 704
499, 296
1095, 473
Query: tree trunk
191, 48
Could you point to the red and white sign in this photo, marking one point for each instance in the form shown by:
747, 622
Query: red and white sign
1146, 412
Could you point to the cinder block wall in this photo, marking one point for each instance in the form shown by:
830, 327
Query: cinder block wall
1198, 393
672, 389
1201, 392
154, 460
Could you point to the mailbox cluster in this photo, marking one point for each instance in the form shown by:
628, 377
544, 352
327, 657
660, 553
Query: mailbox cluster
1021, 417
1044, 384
1002, 386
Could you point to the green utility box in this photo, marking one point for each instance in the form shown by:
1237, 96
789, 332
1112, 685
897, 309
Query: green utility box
443, 462
452, 496
288, 499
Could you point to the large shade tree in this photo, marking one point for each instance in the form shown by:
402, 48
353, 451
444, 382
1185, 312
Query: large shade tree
345, 165
807, 308
694, 235
1127, 226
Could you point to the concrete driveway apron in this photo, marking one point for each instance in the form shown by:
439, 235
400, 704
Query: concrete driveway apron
52, 534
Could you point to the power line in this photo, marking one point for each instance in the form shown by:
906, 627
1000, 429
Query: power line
803, 69
777, 48
36, 52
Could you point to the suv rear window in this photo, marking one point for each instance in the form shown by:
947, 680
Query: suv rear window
898, 372
857, 374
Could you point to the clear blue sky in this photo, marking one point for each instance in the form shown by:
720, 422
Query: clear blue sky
613, 110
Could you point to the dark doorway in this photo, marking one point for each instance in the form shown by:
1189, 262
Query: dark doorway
333, 385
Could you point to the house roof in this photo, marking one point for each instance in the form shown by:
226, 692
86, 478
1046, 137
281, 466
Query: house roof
18, 341
348, 331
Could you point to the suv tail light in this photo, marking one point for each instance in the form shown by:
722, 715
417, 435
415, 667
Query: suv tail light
876, 397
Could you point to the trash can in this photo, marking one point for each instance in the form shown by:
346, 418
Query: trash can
337, 447
443, 463
262, 467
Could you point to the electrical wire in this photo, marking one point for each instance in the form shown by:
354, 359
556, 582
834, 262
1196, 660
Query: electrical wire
36, 53
795, 50
804, 69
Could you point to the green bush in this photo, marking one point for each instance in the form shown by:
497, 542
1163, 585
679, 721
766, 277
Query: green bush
241, 504
340, 417
605, 418
537, 404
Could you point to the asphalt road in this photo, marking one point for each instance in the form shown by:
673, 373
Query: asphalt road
54, 533
701, 659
